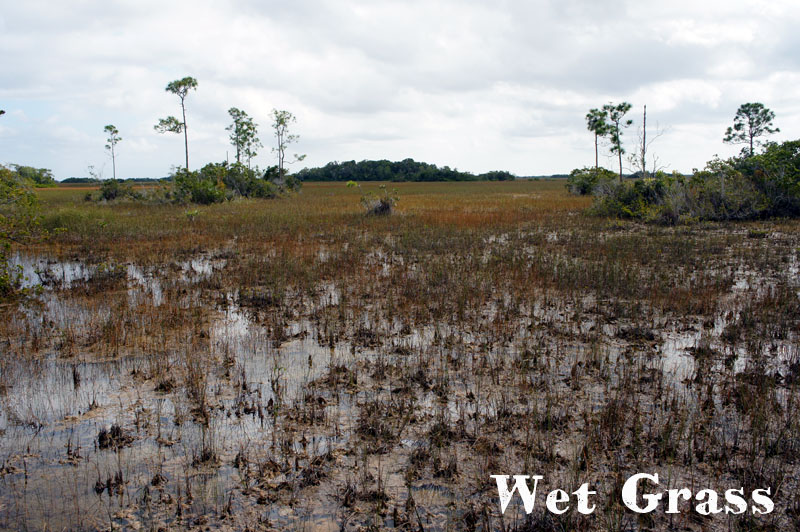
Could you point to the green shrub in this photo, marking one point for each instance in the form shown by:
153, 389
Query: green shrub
776, 174
19, 219
740, 188
379, 204
216, 182
111, 189
583, 181
198, 187
629, 199
38, 177
243, 181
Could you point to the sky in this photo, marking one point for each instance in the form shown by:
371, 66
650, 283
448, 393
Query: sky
476, 86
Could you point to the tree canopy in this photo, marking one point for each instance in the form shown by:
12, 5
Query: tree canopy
170, 124
243, 135
616, 117
752, 120
39, 177
597, 123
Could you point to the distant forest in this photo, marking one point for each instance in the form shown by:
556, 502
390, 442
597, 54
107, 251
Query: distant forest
406, 170
96, 181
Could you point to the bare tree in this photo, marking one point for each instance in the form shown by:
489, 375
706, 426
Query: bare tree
639, 159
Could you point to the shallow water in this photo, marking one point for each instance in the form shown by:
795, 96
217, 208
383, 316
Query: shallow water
54, 404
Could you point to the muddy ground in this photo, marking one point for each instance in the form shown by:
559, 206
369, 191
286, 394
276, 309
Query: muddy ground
374, 380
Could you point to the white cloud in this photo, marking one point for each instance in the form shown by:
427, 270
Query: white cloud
469, 84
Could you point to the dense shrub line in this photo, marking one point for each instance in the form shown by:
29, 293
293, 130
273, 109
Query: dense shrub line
383, 170
740, 188
214, 183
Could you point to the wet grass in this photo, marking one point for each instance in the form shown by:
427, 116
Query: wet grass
295, 364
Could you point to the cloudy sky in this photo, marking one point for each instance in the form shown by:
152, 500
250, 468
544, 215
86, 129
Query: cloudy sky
473, 85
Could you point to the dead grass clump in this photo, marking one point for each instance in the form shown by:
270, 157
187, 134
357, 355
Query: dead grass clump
113, 438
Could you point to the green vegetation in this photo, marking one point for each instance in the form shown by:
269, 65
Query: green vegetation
596, 122
80, 181
37, 177
112, 189
383, 170
750, 186
583, 181
243, 135
752, 120
19, 217
741, 188
616, 118
216, 182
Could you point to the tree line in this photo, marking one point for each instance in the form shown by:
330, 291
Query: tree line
215, 181
243, 132
384, 170
762, 181
752, 120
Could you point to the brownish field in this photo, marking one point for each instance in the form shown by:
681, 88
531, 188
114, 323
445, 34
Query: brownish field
295, 364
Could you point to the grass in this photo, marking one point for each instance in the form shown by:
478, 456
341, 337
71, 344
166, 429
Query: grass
273, 364
319, 207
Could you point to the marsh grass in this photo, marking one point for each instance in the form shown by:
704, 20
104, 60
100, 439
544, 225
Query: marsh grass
294, 363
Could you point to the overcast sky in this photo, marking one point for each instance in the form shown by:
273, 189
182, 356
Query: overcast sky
473, 85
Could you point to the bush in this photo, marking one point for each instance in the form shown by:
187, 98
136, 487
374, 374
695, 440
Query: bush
112, 189
197, 187
583, 181
629, 199
380, 204
19, 219
216, 182
38, 177
775, 173
740, 188
497, 175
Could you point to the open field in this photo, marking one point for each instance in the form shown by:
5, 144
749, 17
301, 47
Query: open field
296, 365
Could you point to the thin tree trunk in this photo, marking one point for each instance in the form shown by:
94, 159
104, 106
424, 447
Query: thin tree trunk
596, 156
644, 143
280, 155
113, 161
185, 135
